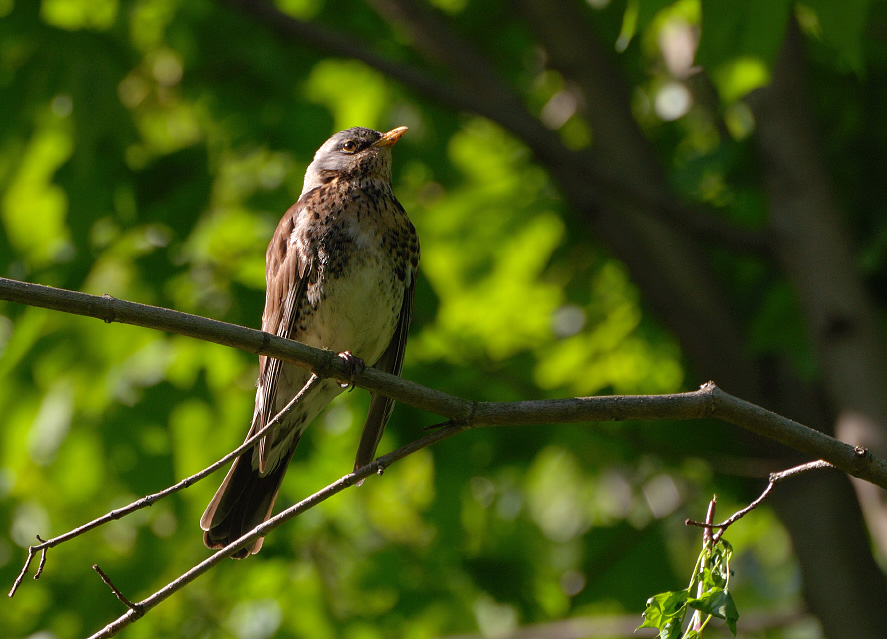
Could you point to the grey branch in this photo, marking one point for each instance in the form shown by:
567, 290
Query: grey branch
126, 602
774, 479
707, 402
149, 500
138, 609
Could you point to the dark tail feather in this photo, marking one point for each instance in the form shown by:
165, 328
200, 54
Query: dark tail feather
380, 411
243, 501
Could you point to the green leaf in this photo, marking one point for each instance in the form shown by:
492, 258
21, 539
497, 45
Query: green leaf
718, 603
663, 609
673, 629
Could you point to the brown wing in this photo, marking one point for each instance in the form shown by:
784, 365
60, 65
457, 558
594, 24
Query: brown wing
390, 362
287, 274
245, 497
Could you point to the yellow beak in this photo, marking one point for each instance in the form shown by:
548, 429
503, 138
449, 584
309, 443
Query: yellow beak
391, 137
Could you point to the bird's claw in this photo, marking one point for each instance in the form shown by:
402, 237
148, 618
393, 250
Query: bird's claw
355, 365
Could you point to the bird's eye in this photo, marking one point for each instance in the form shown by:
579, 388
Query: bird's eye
350, 146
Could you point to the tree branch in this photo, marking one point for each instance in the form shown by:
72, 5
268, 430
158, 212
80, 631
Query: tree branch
774, 479
138, 609
707, 402
324, 364
144, 502
126, 602
573, 48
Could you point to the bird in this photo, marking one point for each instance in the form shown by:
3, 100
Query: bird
341, 274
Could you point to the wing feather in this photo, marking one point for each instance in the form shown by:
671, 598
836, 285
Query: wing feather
287, 274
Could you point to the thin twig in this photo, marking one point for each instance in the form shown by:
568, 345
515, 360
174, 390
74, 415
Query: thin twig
774, 479
42, 563
23, 572
32, 550
149, 500
126, 602
696, 621
709, 518
375, 467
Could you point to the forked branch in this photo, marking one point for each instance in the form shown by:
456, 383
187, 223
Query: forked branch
716, 531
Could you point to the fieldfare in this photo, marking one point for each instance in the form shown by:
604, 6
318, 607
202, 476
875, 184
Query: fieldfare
340, 273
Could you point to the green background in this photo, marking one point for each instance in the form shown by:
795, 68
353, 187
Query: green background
147, 150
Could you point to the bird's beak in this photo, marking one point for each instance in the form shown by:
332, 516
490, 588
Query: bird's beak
391, 137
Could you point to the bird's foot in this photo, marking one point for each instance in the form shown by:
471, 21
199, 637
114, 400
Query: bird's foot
355, 365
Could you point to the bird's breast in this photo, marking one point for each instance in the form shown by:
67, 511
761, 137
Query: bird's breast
362, 274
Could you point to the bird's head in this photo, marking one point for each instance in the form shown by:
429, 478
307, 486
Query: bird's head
355, 153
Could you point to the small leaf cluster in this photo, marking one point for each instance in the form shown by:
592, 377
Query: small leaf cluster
708, 595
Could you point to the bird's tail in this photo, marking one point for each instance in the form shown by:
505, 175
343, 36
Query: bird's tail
242, 502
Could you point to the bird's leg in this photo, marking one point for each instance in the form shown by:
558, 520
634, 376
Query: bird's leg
355, 365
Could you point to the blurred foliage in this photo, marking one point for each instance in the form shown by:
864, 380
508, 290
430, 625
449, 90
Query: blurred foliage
147, 150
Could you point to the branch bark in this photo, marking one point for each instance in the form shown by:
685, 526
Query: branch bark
707, 402
775, 478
